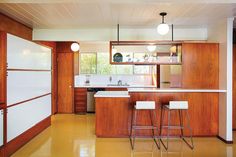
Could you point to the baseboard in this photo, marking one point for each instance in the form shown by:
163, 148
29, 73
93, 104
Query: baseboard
15, 144
2, 151
227, 142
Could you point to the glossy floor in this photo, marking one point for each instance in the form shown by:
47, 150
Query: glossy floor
74, 136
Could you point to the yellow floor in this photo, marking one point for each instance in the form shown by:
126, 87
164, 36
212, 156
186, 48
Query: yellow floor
73, 136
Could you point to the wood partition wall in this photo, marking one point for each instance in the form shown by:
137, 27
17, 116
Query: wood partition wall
8, 25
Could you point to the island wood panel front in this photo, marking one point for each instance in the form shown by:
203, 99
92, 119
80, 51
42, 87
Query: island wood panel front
203, 111
113, 114
200, 65
112, 117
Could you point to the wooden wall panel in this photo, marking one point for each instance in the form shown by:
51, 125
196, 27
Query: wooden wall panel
234, 86
65, 58
11, 26
200, 65
3, 52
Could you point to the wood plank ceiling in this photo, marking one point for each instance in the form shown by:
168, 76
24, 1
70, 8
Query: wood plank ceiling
75, 14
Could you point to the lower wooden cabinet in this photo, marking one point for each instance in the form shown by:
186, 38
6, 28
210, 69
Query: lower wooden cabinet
80, 100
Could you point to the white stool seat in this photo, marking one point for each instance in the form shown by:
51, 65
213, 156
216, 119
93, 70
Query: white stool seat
178, 105
145, 105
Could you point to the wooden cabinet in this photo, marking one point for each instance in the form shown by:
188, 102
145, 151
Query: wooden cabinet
112, 117
200, 65
80, 100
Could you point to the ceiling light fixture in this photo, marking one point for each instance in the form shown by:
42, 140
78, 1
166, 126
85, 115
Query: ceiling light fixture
151, 48
163, 28
75, 47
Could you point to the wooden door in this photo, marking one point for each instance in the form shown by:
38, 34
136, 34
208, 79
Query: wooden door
65, 83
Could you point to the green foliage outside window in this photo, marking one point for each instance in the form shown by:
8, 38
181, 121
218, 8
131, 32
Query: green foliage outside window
98, 63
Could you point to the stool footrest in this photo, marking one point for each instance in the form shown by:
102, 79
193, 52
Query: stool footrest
144, 127
172, 127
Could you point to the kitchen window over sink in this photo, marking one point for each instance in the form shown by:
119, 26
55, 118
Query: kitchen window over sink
98, 63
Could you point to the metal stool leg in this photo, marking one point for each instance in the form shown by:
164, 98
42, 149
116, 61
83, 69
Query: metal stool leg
153, 131
181, 123
168, 128
131, 128
133, 131
161, 124
161, 120
191, 134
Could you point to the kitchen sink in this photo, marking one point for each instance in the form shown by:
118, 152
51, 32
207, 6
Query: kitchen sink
118, 84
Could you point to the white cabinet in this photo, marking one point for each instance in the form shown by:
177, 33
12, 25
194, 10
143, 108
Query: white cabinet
1, 127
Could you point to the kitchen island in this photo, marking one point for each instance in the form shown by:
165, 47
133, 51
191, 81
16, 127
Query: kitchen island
114, 111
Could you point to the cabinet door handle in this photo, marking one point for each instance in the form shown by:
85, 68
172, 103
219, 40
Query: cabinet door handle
70, 86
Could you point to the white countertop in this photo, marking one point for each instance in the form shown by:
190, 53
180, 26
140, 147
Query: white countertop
113, 94
175, 90
107, 86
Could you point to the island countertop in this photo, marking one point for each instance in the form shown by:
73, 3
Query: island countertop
176, 90
113, 94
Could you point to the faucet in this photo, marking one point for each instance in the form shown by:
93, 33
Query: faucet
119, 83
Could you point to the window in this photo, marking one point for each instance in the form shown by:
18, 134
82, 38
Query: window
144, 69
88, 63
98, 63
103, 65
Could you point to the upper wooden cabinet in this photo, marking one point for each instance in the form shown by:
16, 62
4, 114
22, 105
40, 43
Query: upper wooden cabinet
200, 65
145, 52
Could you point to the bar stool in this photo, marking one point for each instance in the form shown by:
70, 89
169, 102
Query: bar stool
176, 106
143, 105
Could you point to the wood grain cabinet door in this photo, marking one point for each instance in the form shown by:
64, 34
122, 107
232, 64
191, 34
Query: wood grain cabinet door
65, 83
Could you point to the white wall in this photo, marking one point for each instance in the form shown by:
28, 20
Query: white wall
107, 34
222, 32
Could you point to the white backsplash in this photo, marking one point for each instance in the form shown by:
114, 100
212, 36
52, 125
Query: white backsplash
105, 79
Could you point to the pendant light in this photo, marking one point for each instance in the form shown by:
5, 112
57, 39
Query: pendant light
163, 28
75, 47
151, 48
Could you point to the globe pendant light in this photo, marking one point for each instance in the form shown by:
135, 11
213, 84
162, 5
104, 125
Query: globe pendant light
75, 47
163, 28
